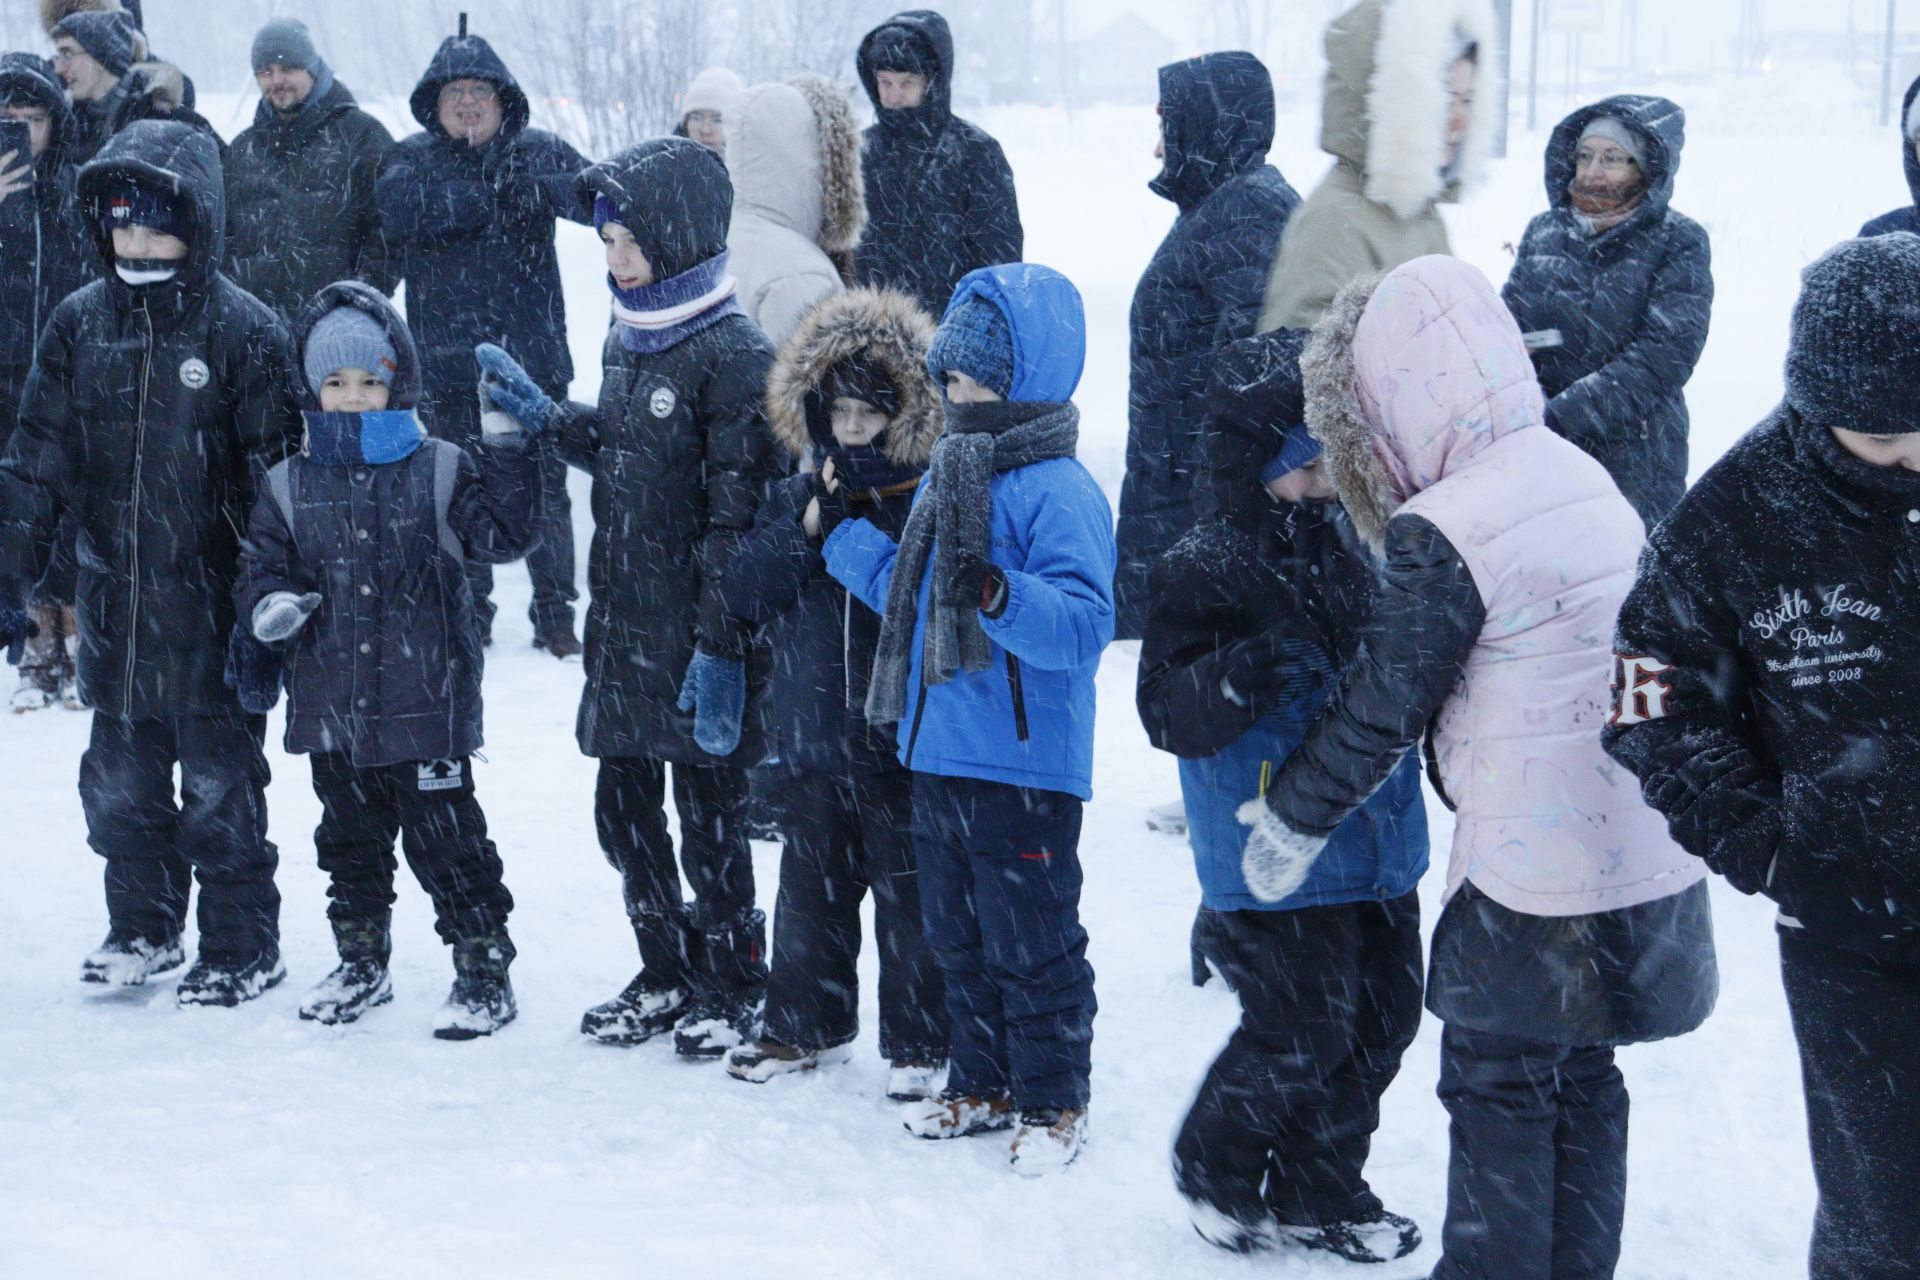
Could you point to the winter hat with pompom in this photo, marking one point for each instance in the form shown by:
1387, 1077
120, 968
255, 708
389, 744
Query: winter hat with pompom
1854, 359
349, 338
976, 340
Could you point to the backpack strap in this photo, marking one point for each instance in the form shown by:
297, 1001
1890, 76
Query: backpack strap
446, 472
280, 485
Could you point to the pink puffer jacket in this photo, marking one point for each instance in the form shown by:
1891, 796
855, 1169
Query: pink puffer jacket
1454, 432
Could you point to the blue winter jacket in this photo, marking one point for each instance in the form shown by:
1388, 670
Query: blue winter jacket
1027, 720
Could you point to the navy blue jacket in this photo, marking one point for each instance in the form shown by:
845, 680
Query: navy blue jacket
1907, 217
1631, 306
471, 230
1203, 289
388, 669
940, 198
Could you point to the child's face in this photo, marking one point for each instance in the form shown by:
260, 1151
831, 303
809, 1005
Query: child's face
145, 242
1901, 451
353, 391
962, 389
855, 422
628, 266
1310, 483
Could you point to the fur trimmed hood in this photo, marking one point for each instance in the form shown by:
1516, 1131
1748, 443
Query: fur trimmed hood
885, 327
1385, 101
1409, 376
843, 190
793, 151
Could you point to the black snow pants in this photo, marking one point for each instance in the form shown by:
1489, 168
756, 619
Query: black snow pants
431, 807
844, 837
1857, 1018
716, 948
216, 831
1330, 1001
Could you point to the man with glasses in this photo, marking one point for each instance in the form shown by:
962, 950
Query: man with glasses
467, 208
101, 54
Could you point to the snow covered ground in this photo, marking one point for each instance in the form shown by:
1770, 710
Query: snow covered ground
139, 1139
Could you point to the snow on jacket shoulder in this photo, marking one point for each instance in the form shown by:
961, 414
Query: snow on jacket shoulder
1631, 306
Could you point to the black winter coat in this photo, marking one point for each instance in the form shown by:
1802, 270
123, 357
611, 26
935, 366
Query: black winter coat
388, 669
1631, 306
1202, 290
1768, 651
940, 198
471, 229
681, 460
1907, 217
152, 412
43, 256
300, 210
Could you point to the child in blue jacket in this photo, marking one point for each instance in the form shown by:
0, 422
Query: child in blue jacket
996, 604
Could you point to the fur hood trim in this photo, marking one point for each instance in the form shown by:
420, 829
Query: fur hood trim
843, 217
887, 328
162, 85
1336, 420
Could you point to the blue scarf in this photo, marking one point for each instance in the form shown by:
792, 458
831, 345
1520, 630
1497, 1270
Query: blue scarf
353, 439
658, 317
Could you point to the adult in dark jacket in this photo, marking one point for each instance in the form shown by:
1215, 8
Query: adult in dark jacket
940, 198
1254, 611
1907, 217
1613, 288
355, 566
469, 220
300, 210
158, 398
856, 364
1203, 289
46, 259
681, 460
1764, 686
114, 80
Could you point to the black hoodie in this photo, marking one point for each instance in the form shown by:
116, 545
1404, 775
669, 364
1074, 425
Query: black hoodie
940, 198
1906, 217
152, 412
1631, 307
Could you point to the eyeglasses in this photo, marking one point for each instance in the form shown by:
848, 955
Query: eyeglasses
472, 93
1611, 161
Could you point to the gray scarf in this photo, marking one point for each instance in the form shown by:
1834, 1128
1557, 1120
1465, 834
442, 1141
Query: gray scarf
954, 515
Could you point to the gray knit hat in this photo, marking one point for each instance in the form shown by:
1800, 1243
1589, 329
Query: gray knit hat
1620, 133
1854, 360
287, 42
349, 338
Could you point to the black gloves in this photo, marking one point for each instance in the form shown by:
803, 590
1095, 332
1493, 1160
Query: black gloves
975, 583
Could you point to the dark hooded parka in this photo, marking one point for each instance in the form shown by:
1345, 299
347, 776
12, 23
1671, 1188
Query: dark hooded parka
1203, 289
387, 669
681, 460
1630, 306
43, 255
152, 411
300, 208
940, 198
1907, 217
471, 230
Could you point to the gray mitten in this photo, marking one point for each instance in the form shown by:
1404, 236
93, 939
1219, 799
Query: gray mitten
279, 615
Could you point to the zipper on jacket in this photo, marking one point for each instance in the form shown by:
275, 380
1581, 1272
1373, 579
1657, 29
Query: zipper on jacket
846, 644
1019, 698
913, 738
133, 520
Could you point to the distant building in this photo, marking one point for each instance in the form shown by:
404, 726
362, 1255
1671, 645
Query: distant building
1118, 63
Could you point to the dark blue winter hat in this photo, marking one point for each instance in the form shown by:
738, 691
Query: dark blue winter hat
1854, 360
110, 38
287, 42
976, 340
128, 202
1297, 449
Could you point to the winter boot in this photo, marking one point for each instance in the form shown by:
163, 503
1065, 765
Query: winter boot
481, 1001
67, 673
1225, 1231
560, 642
1379, 1237
642, 1011
356, 986
730, 991
227, 980
912, 1081
761, 1062
127, 959
34, 690
1048, 1139
717, 1023
956, 1115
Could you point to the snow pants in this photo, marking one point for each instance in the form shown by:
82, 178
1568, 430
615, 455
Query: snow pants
1857, 1018
1330, 1001
431, 807
1000, 896
216, 831
844, 837
1537, 1175
718, 947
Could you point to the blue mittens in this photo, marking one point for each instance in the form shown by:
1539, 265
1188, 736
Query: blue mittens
715, 690
507, 386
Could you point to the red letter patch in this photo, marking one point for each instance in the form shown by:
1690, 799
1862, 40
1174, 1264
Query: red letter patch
1642, 691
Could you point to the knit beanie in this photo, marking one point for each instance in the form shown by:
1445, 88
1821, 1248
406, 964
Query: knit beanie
898, 48
715, 89
1621, 134
976, 340
349, 338
109, 37
128, 202
1297, 449
1854, 358
287, 42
